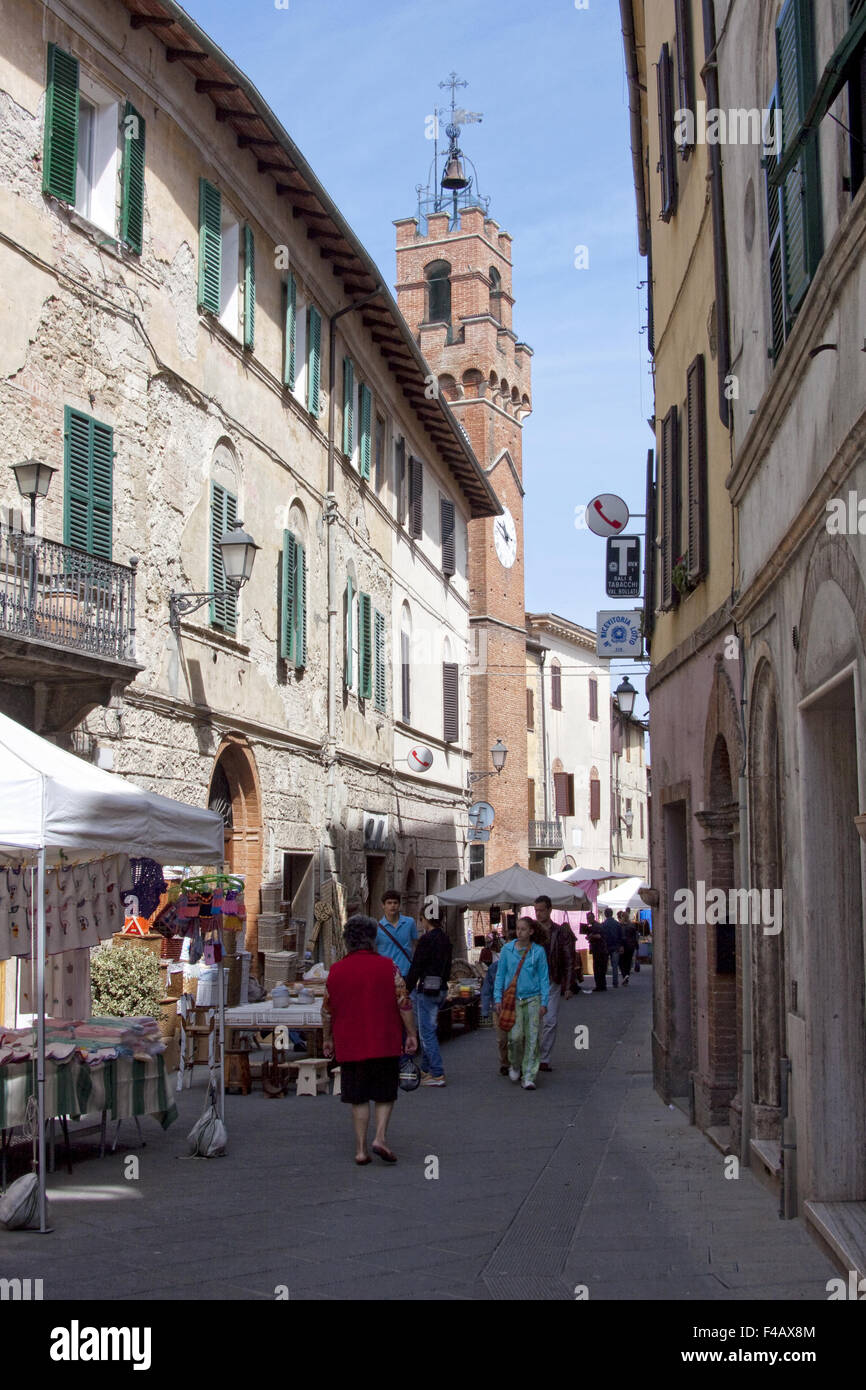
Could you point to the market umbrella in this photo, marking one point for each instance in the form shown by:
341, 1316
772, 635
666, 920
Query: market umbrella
515, 885
624, 895
586, 875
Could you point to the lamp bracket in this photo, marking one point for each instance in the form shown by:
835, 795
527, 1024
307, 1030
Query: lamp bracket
181, 605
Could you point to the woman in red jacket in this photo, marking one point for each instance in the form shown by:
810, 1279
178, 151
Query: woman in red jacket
364, 1012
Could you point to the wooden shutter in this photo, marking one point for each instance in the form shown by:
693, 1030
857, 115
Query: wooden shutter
348, 675
801, 192
60, 145
381, 692
210, 246
300, 605
640, 808
287, 601
416, 498
348, 406
223, 515
594, 799
667, 146
132, 180
249, 287
450, 702
649, 560
365, 410
670, 505
685, 81
446, 516
530, 799
405, 681
530, 709
555, 687
400, 480
593, 698
696, 428
365, 647
87, 496
314, 359
560, 793
291, 293
569, 791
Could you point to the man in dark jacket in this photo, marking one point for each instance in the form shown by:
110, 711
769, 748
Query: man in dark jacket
428, 977
598, 950
629, 945
612, 933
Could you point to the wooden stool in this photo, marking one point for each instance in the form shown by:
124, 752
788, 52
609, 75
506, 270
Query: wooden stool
312, 1075
335, 1077
237, 1071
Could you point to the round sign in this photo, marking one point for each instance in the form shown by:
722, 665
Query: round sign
607, 515
420, 759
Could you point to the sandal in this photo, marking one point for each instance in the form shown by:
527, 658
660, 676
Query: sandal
385, 1154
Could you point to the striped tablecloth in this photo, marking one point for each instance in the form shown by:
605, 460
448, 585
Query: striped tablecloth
122, 1087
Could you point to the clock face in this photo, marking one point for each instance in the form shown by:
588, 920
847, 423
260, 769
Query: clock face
505, 536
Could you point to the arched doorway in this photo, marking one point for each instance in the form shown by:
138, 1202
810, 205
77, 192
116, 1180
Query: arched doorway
234, 794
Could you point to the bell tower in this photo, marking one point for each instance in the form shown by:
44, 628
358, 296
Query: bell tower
454, 289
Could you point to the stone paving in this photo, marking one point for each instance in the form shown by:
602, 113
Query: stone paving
589, 1181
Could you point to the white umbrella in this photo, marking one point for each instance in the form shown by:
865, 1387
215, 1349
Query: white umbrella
515, 885
624, 895
586, 875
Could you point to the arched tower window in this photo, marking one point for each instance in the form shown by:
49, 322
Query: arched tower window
495, 293
438, 276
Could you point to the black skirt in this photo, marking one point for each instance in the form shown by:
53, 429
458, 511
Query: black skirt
374, 1079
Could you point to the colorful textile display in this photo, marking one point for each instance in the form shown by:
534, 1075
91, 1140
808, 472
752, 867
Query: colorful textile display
82, 905
67, 985
91, 1041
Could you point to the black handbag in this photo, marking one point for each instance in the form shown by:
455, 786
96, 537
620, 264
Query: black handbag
410, 1073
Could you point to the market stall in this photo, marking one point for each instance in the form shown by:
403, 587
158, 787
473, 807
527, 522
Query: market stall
58, 811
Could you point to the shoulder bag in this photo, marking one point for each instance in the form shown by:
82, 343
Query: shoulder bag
508, 1007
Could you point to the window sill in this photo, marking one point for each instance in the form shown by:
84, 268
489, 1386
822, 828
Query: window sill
215, 323
218, 641
104, 240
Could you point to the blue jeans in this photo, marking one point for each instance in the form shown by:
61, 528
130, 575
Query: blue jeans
426, 1012
614, 966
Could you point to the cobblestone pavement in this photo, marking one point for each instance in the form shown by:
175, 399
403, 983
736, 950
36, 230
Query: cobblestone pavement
588, 1181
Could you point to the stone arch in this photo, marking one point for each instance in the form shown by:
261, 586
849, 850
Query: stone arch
473, 382
495, 293
225, 465
556, 765
449, 388
235, 776
832, 559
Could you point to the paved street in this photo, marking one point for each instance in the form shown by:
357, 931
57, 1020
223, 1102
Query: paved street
590, 1181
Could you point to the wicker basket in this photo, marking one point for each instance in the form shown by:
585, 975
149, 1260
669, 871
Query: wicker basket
172, 947
168, 1019
153, 942
272, 930
190, 984
173, 981
280, 967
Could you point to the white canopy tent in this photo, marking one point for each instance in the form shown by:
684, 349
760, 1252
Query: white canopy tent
624, 895
53, 802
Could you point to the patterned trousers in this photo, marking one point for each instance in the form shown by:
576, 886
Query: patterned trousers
523, 1040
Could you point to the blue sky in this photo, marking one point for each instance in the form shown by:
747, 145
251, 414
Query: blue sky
353, 82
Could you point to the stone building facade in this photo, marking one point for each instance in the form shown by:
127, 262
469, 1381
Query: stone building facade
190, 324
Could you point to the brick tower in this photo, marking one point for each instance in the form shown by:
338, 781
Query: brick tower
454, 290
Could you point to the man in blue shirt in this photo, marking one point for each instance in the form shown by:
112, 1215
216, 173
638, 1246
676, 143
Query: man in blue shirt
397, 934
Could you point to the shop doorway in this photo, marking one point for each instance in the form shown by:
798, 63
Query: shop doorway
678, 949
376, 885
234, 794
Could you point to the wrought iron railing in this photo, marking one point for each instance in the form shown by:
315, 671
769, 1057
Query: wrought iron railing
545, 834
65, 597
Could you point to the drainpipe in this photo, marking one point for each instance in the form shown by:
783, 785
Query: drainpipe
634, 111
746, 951
330, 521
544, 750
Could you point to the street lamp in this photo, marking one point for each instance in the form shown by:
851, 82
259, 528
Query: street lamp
627, 819
34, 479
625, 696
498, 754
238, 551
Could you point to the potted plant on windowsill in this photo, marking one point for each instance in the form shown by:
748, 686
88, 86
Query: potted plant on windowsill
680, 577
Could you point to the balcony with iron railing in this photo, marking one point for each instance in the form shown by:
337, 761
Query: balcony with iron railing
545, 836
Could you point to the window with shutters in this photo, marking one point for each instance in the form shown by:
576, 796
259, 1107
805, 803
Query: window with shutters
365, 647
379, 454
563, 793
349, 408
314, 360
380, 684
300, 364
365, 430
226, 265
640, 808
223, 515
400, 481
416, 499
593, 698
446, 521
696, 469
349, 628
293, 606
794, 213
669, 503
667, 166
855, 73
685, 72
87, 486
290, 333
594, 795
555, 686
530, 799
450, 703
530, 708
405, 669
626, 738
629, 826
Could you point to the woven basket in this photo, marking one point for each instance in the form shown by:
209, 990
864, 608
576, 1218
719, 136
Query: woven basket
172, 947
168, 1019
190, 985
271, 933
153, 942
173, 983
280, 966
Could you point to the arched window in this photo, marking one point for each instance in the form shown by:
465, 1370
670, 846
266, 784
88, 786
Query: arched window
555, 685
495, 294
438, 276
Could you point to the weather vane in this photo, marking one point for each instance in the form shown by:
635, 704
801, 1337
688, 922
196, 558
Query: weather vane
455, 181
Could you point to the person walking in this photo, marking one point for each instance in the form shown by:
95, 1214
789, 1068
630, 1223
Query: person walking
427, 982
560, 965
365, 1010
397, 934
487, 986
612, 933
524, 960
629, 945
598, 951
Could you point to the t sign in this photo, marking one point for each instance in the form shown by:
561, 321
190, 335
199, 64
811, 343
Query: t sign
622, 571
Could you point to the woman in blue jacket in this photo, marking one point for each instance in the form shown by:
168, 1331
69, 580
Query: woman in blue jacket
533, 991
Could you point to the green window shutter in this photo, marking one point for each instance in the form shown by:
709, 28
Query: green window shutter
365, 647
776, 248
291, 293
249, 287
300, 605
802, 223
60, 147
348, 406
87, 495
132, 179
347, 655
381, 692
696, 471
365, 409
287, 599
314, 359
223, 515
209, 246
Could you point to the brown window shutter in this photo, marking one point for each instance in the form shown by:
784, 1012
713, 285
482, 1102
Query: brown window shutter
685, 80
531, 798
446, 515
696, 424
555, 687
670, 505
530, 709
667, 145
569, 793
560, 793
594, 799
593, 698
416, 498
449, 702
